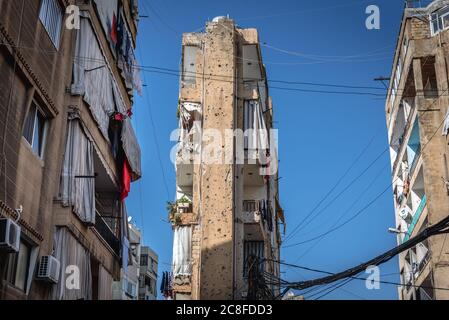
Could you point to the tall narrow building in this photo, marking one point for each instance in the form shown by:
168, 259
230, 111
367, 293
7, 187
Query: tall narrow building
417, 119
226, 214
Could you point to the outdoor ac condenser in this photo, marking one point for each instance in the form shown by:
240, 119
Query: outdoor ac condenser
49, 268
406, 214
9, 235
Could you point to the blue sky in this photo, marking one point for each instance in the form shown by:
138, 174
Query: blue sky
320, 134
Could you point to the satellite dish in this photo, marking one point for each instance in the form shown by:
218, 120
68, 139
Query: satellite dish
129, 219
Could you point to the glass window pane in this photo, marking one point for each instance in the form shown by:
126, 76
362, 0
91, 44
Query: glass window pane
39, 128
11, 271
23, 260
28, 128
445, 21
51, 17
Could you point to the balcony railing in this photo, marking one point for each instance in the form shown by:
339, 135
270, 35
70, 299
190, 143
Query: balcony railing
415, 161
106, 233
402, 143
416, 217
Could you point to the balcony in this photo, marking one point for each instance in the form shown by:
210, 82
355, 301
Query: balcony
251, 213
107, 234
180, 212
415, 160
416, 217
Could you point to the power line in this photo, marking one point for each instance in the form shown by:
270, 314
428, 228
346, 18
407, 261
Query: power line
358, 213
289, 236
156, 142
441, 227
342, 216
324, 58
337, 286
177, 73
295, 12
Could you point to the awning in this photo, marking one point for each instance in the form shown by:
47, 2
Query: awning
132, 149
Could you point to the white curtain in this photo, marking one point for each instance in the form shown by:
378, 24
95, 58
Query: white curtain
131, 148
72, 254
105, 281
182, 251
33, 260
446, 124
77, 182
256, 134
91, 76
421, 252
189, 125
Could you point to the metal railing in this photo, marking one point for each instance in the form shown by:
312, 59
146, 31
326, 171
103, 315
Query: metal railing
415, 161
416, 217
107, 234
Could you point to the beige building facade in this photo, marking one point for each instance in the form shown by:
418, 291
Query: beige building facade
417, 108
67, 84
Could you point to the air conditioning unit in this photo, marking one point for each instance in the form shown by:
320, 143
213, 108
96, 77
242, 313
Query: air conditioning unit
48, 270
406, 214
9, 235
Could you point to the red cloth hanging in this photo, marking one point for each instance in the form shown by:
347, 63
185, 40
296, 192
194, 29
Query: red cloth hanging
126, 180
113, 33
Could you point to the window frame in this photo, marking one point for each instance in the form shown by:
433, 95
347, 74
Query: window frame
56, 41
13, 264
37, 111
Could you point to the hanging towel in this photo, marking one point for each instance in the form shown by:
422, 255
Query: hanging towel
126, 180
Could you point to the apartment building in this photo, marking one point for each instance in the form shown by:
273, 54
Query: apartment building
226, 217
127, 287
69, 152
148, 274
417, 119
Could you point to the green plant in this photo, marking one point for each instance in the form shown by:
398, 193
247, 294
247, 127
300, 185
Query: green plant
172, 209
184, 199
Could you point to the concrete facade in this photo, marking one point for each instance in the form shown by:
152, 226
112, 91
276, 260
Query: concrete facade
149, 261
416, 109
33, 68
128, 286
214, 63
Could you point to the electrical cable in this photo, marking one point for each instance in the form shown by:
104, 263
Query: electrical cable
340, 179
358, 198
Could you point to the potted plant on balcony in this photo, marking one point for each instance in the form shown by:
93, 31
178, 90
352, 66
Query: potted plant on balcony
183, 205
177, 208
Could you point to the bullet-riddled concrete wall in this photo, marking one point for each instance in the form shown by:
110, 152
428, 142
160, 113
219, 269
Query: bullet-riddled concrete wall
217, 180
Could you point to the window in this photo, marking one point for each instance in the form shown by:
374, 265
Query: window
250, 206
189, 65
429, 77
18, 265
439, 20
51, 17
144, 260
35, 129
253, 251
